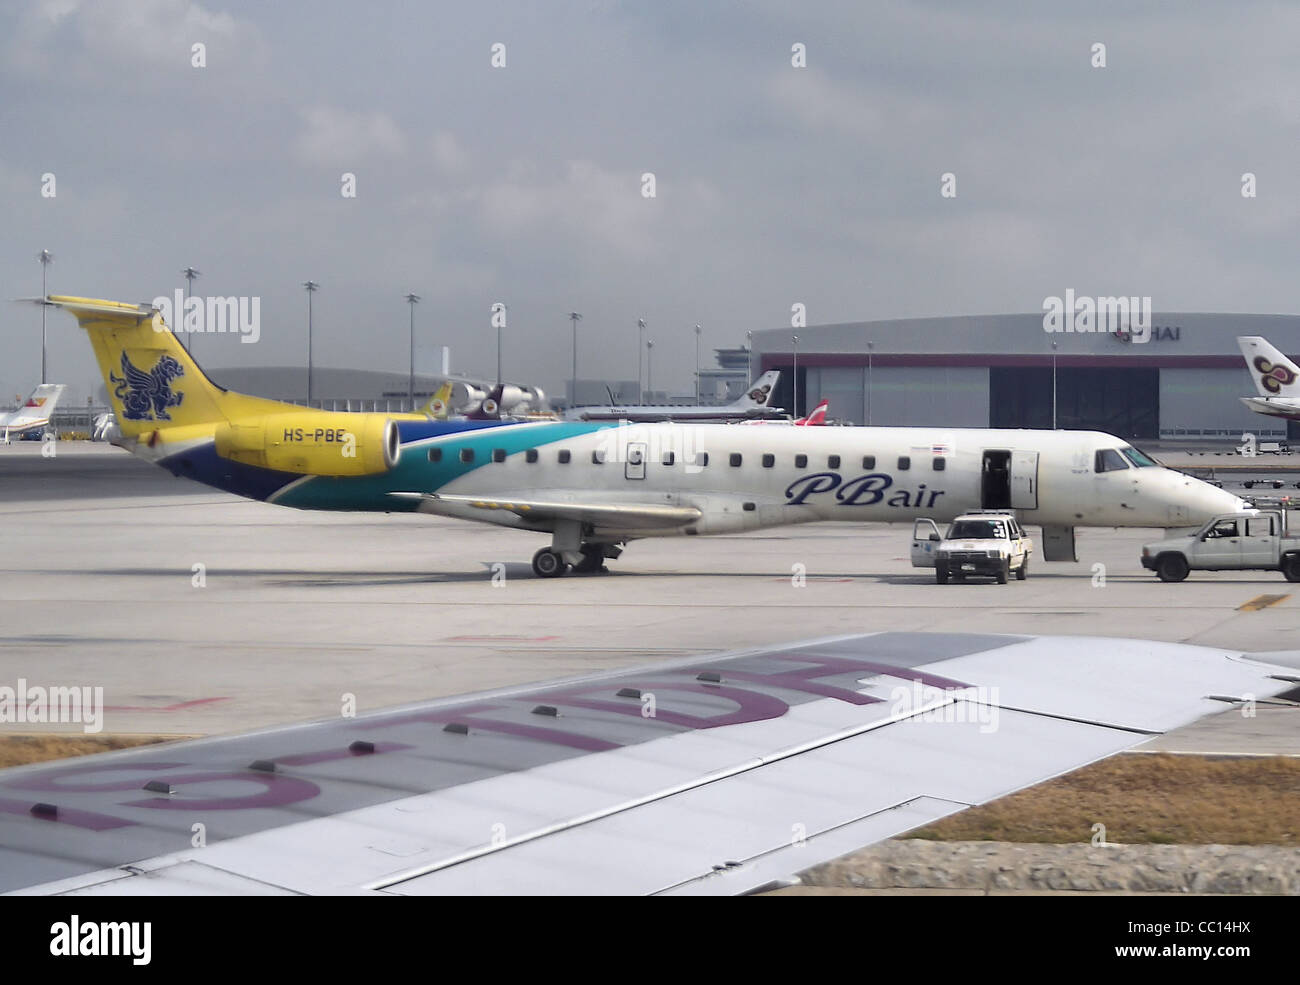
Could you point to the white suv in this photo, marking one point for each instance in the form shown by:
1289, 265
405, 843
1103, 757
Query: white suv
989, 544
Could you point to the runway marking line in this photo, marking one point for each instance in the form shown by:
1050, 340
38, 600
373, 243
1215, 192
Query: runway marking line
1261, 602
179, 706
824, 579
499, 639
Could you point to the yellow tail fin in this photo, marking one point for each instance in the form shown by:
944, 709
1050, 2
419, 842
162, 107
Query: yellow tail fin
439, 405
152, 382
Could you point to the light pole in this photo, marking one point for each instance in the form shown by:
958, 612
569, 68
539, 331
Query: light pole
499, 310
575, 318
795, 409
1053, 386
870, 346
749, 357
46, 258
697, 365
649, 366
190, 273
312, 288
412, 300
640, 335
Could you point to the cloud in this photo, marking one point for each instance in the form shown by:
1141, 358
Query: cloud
333, 136
447, 152
592, 206
131, 36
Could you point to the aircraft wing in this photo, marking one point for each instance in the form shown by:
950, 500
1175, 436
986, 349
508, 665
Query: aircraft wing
717, 774
632, 516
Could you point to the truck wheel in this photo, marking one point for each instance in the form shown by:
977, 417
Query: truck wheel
1172, 567
1004, 572
941, 575
1291, 567
1023, 571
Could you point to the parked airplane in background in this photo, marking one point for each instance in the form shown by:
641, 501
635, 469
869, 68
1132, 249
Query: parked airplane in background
498, 401
1276, 377
592, 487
754, 404
816, 419
34, 414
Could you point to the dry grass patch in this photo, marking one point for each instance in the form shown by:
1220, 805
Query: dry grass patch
1146, 799
19, 750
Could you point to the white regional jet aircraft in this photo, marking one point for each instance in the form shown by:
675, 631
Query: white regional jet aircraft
594, 486
597, 490
34, 414
1276, 377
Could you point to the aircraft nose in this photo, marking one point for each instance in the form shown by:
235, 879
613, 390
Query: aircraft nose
1200, 501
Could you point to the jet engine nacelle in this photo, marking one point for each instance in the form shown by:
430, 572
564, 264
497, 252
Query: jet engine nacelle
313, 443
511, 397
466, 398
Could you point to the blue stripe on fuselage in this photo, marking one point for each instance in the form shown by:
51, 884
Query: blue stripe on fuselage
203, 464
415, 473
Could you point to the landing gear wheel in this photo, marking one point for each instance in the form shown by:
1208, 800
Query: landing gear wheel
1022, 572
548, 564
593, 560
1004, 572
1172, 567
1291, 567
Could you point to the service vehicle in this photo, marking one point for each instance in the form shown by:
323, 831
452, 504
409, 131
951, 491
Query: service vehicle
984, 543
1230, 542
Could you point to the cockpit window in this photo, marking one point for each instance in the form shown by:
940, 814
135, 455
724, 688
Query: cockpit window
1109, 460
1138, 458
977, 530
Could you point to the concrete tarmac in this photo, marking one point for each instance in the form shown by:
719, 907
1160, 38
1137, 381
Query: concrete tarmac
202, 613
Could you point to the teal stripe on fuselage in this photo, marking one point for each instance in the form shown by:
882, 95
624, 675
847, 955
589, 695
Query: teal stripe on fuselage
415, 473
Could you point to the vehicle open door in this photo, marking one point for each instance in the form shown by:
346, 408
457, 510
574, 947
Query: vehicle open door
925, 538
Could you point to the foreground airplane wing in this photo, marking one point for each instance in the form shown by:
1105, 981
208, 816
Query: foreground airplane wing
638, 516
713, 775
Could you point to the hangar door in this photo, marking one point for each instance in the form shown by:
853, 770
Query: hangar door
1123, 400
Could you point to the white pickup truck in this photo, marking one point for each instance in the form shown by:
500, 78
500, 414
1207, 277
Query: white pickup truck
984, 543
1230, 542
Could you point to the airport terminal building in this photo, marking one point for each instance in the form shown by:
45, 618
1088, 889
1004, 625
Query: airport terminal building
1008, 371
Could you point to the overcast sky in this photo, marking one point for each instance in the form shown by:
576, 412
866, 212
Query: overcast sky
523, 184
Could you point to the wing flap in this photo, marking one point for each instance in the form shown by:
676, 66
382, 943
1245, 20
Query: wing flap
639, 516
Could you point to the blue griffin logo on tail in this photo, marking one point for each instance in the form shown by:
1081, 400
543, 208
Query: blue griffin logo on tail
146, 396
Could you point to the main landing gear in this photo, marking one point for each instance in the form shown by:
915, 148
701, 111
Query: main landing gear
568, 551
550, 563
